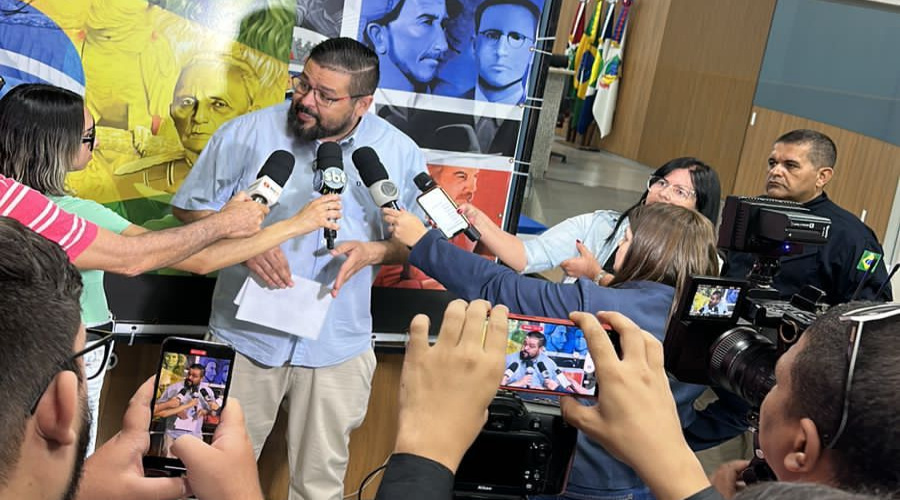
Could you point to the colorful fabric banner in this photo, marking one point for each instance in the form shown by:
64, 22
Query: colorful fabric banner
602, 48
584, 61
575, 37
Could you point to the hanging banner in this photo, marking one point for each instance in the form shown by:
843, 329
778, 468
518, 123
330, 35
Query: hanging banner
159, 79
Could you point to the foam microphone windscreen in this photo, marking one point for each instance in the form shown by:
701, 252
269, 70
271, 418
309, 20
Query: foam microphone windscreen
278, 167
329, 155
369, 166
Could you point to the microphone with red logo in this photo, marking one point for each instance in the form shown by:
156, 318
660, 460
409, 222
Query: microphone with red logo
272, 177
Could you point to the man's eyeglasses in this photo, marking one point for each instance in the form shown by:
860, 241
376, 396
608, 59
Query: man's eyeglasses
94, 355
658, 184
860, 317
90, 138
301, 86
515, 39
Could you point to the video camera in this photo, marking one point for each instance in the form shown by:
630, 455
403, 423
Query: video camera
771, 229
706, 342
525, 448
715, 334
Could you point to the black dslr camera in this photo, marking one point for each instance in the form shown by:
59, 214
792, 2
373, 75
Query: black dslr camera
730, 349
720, 332
525, 448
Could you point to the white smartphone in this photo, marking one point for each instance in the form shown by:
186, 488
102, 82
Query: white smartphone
441, 209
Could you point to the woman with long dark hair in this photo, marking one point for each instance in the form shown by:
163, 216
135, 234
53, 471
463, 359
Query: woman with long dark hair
47, 132
585, 245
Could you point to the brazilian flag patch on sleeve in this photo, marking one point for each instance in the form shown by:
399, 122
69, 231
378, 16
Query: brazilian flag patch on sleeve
868, 260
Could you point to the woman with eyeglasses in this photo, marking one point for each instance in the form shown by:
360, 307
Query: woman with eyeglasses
585, 245
47, 132
663, 245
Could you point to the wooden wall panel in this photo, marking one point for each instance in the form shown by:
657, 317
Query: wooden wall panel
865, 177
370, 444
704, 83
646, 24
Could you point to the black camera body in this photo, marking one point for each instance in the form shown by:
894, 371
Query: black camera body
771, 229
525, 448
728, 348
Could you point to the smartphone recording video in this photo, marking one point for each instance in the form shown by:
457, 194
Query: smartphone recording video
441, 209
191, 389
548, 356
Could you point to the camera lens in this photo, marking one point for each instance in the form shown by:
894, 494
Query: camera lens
743, 361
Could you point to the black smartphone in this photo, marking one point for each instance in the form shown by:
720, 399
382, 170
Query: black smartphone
549, 356
441, 209
191, 389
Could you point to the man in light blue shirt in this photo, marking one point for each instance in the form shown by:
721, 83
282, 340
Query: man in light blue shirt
324, 383
531, 368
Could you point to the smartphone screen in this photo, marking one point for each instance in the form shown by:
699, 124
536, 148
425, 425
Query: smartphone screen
441, 209
191, 389
548, 356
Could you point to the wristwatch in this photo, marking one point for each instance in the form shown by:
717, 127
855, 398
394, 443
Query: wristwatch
602, 274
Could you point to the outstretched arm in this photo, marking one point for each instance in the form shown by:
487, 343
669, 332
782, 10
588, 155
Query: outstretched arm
321, 212
133, 255
507, 247
163, 412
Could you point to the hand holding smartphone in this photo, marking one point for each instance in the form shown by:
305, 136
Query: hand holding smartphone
190, 391
442, 210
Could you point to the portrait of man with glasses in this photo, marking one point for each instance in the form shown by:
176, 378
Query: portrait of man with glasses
504, 35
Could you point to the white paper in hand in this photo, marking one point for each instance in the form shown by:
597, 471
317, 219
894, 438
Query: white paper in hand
299, 310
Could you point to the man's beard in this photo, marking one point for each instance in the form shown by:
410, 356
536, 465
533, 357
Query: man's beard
524, 356
84, 437
317, 130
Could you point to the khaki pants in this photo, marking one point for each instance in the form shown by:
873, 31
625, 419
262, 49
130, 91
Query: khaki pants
323, 406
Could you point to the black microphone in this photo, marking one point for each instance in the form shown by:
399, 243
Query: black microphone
543, 369
205, 393
375, 177
511, 369
272, 177
329, 177
184, 390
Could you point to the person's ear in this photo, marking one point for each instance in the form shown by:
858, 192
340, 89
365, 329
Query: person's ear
56, 414
362, 104
377, 35
806, 451
823, 177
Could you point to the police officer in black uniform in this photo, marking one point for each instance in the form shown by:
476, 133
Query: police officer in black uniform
800, 165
